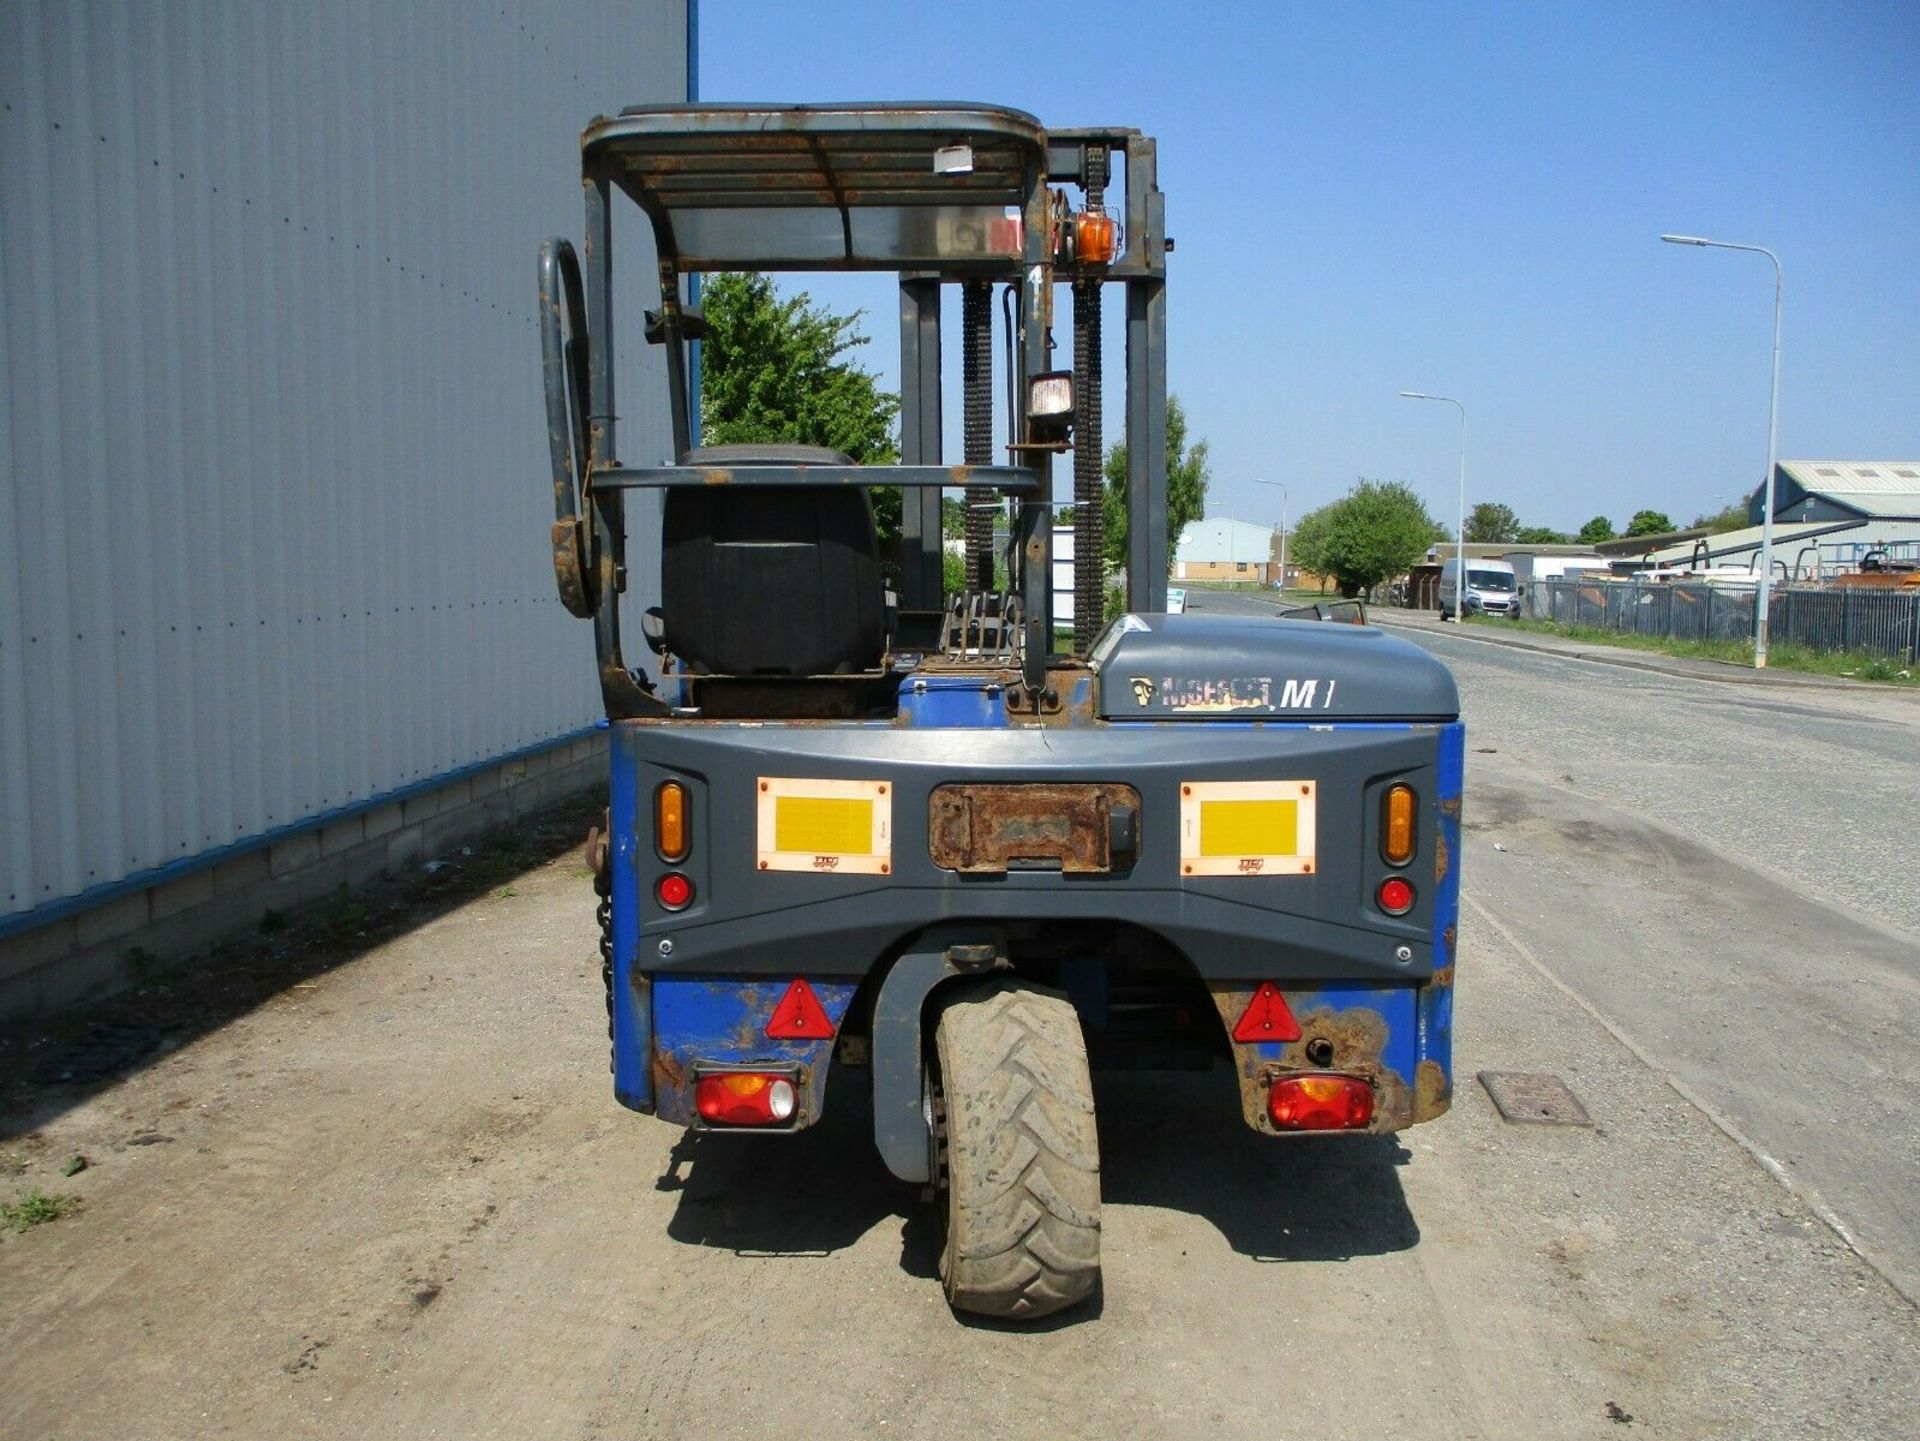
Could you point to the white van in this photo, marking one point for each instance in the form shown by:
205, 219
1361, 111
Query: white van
1491, 588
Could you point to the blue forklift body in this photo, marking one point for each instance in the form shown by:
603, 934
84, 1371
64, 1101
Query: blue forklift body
861, 817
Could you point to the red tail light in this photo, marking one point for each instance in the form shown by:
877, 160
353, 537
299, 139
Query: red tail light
744, 1098
673, 891
1320, 1103
1395, 896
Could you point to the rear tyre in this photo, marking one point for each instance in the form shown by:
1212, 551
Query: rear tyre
1021, 1155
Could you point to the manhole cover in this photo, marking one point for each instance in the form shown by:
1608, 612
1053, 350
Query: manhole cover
1534, 1098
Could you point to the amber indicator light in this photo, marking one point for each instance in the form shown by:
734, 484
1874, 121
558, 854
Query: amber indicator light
1396, 825
670, 821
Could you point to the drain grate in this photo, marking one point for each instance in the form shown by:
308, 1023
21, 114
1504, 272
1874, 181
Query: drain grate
1534, 1098
105, 1051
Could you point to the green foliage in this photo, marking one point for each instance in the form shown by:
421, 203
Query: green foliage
35, 1208
774, 370
953, 573
1733, 517
1187, 478
1491, 523
1596, 530
1540, 535
1377, 530
1649, 522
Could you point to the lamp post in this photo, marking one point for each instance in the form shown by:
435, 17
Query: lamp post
1460, 542
1285, 497
1762, 599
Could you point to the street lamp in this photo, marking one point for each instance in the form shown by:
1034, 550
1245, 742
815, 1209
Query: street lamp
1762, 600
1285, 497
1460, 543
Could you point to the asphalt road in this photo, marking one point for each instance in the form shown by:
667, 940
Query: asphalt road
397, 1199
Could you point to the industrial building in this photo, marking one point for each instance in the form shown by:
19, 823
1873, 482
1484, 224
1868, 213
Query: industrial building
1222, 549
276, 604
1829, 516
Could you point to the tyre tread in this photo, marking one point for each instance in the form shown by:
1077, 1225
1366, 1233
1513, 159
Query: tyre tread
1023, 1200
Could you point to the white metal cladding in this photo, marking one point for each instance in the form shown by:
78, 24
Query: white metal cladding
274, 496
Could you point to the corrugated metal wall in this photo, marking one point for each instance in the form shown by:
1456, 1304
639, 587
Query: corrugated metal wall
273, 476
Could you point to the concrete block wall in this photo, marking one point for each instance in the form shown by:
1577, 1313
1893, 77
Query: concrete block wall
143, 933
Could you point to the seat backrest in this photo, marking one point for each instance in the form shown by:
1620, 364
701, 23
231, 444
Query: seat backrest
771, 580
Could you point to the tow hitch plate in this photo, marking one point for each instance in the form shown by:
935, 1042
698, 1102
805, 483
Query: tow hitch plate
991, 829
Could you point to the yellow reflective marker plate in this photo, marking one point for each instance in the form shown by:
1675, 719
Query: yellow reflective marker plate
1247, 828
827, 826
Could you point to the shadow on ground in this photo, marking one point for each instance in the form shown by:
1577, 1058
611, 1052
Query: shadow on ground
47, 1068
1174, 1141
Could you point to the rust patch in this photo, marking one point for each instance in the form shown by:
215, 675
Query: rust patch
669, 1073
989, 829
1443, 976
1432, 1091
1449, 942
1442, 857
570, 566
1350, 1041
749, 1038
1357, 1036
1450, 806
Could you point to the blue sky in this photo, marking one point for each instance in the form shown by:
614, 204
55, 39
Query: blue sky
1464, 199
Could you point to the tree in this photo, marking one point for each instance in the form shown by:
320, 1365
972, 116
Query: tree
1540, 535
1492, 523
1376, 530
1732, 517
1649, 522
1596, 530
1187, 478
777, 370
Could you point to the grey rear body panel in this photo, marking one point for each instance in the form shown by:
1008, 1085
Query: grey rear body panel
745, 921
1210, 667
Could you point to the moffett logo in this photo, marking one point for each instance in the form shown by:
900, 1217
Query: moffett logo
1142, 689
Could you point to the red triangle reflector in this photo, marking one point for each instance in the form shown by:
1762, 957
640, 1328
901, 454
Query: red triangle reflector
1266, 1017
801, 1017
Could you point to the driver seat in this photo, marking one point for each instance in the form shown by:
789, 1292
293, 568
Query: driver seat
771, 580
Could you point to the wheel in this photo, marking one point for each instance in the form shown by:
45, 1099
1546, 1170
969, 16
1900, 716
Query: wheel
1021, 1159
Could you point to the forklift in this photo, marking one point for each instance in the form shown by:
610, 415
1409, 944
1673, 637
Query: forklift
951, 838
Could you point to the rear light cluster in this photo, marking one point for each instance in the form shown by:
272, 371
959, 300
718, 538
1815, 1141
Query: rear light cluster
1320, 1103
1398, 811
744, 1098
672, 841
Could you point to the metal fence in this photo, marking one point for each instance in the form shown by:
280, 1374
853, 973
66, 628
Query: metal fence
1877, 622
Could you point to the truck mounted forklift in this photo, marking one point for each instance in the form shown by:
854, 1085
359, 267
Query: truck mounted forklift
930, 834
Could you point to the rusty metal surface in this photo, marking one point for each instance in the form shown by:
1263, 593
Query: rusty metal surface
717, 1023
986, 829
1534, 1098
1354, 1030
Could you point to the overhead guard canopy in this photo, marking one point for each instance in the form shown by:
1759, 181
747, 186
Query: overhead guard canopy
828, 187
